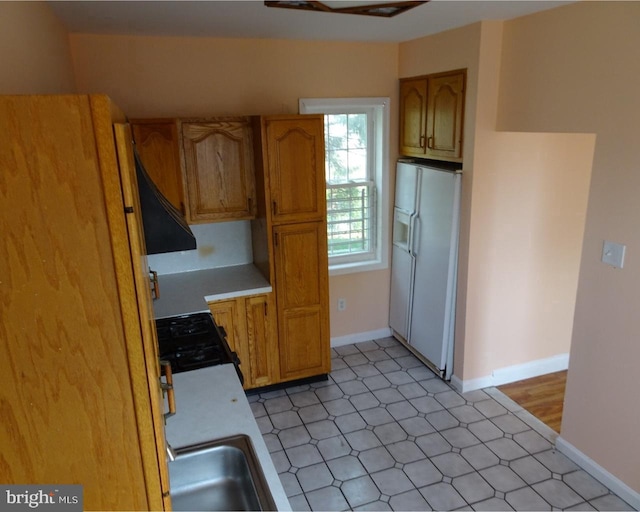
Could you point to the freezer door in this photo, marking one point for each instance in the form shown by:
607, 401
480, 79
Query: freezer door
435, 249
406, 187
402, 266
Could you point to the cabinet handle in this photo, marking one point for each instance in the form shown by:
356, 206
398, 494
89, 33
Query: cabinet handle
155, 284
421, 141
265, 309
274, 207
168, 388
275, 239
430, 142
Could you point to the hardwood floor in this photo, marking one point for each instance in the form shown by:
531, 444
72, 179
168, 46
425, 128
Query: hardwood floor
542, 396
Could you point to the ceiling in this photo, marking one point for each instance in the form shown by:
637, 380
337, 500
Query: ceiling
252, 19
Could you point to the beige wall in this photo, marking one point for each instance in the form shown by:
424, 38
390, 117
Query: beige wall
150, 77
576, 69
34, 50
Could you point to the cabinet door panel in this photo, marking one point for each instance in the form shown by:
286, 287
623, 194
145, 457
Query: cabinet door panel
229, 314
219, 169
303, 346
295, 152
158, 145
444, 122
302, 295
413, 112
261, 338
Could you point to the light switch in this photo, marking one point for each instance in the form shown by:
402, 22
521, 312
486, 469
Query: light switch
613, 254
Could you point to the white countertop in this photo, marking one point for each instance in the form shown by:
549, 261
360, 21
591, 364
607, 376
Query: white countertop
189, 292
211, 404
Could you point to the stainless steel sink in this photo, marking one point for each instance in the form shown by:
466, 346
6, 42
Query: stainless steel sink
219, 475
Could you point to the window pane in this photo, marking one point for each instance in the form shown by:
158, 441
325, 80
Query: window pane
349, 214
357, 132
346, 149
358, 165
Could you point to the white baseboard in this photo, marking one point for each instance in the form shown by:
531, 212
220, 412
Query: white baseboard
513, 373
360, 337
599, 473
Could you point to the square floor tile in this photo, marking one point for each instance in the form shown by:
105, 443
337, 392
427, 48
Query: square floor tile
333, 447
304, 455
350, 423
473, 488
411, 500
390, 433
346, 468
362, 440
585, 485
442, 496
327, 498
293, 436
557, 493
392, 481
452, 464
526, 499
339, 407
322, 429
360, 491
422, 472
376, 459
330, 392
502, 478
405, 451
314, 477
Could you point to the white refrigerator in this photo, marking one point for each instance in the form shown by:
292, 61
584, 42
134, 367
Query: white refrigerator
424, 262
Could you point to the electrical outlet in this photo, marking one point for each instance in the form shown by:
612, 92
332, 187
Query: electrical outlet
342, 304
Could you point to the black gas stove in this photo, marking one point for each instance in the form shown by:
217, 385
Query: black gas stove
194, 341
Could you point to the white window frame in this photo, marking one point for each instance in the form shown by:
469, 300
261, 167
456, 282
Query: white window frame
378, 110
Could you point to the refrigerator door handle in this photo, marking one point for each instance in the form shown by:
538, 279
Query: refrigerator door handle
414, 235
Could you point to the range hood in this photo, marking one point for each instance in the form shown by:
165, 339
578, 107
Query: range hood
165, 229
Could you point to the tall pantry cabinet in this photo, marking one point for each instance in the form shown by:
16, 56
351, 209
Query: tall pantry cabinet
81, 398
290, 172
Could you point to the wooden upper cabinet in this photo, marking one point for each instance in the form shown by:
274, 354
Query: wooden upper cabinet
295, 162
219, 169
413, 116
432, 116
158, 144
445, 116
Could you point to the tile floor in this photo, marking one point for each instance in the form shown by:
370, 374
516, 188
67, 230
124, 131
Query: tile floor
383, 433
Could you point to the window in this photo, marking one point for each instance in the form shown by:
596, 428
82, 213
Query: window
356, 135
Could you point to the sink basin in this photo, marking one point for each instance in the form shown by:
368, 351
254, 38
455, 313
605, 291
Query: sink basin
219, 475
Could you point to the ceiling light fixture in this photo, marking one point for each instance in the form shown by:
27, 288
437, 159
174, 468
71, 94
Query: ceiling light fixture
385, 9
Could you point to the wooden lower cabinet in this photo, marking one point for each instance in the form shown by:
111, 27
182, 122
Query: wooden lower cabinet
250, 323
301, 269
